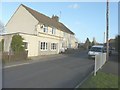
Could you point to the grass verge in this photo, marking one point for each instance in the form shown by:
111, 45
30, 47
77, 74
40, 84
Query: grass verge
101, 80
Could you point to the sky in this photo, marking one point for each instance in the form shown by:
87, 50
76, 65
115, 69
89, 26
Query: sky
85, 19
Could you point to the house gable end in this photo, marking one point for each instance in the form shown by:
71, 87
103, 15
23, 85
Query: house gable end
22, 21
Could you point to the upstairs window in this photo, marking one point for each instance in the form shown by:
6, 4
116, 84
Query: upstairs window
53, 30
45, 29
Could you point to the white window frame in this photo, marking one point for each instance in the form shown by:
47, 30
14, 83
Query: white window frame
43, 46
53, 46
25, 45
53, 30
45, 29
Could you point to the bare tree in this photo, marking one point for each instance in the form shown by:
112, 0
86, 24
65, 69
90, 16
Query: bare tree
2, 29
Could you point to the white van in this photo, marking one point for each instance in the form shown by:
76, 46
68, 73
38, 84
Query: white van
94, 50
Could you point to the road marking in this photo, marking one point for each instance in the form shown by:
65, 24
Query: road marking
15, 65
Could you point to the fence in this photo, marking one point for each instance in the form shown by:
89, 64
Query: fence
100, 60
8, 57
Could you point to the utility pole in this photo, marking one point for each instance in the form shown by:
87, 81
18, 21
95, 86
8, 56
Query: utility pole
107, 30
104, 38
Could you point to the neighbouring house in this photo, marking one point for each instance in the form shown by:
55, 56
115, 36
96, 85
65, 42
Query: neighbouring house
112, 43
42, 35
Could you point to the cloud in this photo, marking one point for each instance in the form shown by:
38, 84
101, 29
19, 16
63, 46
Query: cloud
74, 6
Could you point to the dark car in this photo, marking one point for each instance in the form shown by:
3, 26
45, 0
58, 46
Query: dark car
110, 51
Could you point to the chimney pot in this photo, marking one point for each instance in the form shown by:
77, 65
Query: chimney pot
56, 18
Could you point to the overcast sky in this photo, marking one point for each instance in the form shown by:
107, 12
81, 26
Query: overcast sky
85, 19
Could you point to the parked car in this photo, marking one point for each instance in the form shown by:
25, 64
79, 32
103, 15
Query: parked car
94, 50
62, 50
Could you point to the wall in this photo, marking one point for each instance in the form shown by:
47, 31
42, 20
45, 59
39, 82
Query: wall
21, 21
63, 37
34, 45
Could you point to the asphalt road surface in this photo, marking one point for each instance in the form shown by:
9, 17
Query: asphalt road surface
66, 72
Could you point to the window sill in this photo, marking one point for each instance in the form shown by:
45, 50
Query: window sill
53, 50
43, 50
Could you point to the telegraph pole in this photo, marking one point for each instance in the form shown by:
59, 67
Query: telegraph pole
107, 30
104, 38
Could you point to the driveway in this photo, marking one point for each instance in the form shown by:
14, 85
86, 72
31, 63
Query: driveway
65, 72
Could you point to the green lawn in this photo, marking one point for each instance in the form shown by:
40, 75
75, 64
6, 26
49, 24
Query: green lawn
101, 80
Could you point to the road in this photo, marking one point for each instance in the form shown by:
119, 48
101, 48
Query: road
64, 72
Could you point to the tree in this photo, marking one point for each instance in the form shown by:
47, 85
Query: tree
17, 44
117, 43
93, 42
2, 28
2, 45
87, 44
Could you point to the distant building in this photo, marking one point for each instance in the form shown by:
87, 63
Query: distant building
112, 43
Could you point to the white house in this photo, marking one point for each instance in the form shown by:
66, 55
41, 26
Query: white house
42, 35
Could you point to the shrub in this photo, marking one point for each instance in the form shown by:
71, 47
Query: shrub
2, 45
17, 44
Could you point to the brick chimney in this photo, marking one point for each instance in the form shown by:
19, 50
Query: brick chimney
56, 18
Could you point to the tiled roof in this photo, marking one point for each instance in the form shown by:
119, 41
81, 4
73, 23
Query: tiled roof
47, 20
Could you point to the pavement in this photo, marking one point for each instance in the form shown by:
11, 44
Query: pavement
33, 60
42, 58
111, 66
55, 71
